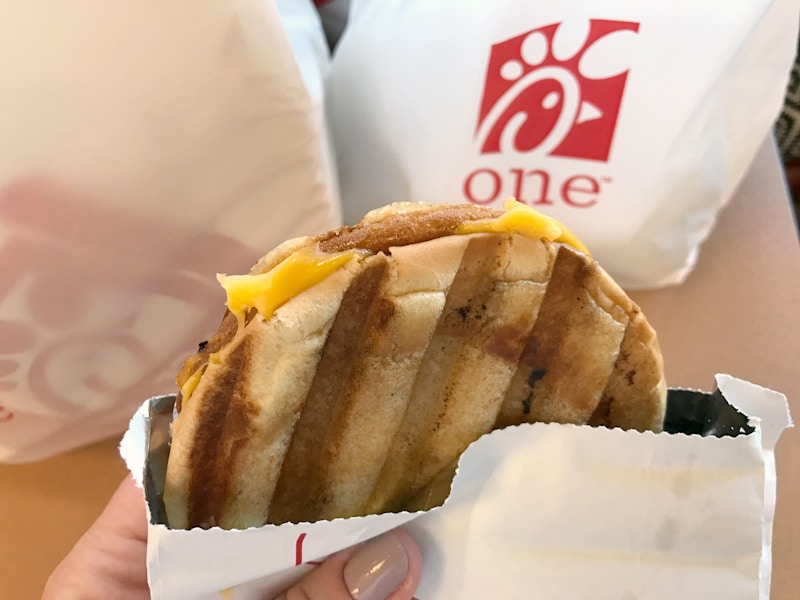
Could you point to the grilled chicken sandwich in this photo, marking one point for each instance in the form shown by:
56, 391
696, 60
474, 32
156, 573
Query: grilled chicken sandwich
352, 369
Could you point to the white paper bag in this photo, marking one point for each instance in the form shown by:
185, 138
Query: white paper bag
632, 122
570, 511
144, 146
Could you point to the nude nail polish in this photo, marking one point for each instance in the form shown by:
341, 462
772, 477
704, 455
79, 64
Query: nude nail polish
377, 569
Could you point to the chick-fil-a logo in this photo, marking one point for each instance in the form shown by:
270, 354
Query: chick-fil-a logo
553, 91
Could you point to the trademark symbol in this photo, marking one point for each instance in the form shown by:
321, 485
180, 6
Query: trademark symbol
606, 179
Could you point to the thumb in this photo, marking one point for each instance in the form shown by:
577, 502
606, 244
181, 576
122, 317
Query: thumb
385, 568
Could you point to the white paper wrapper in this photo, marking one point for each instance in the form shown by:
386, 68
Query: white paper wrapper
574, 512
145, 146
632, 122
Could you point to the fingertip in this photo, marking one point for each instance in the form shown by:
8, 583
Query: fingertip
387, 567
414, 575
126, 512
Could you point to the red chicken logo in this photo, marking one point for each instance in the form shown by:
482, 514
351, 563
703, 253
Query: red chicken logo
556, 89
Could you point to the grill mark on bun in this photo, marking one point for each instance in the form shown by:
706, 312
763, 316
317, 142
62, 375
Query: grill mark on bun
571, 350
601, 414
226, 416
223, 336
447, 386
540, 352
297, 494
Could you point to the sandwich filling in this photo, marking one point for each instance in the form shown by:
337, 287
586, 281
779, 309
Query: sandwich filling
266, 292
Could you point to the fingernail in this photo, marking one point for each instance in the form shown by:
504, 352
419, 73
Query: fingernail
377, 569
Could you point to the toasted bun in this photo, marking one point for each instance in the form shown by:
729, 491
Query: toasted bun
360, 393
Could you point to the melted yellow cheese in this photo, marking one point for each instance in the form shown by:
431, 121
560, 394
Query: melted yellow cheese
527, 221
268, 291
188, 388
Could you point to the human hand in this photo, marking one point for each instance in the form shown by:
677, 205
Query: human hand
109, 562
110, 559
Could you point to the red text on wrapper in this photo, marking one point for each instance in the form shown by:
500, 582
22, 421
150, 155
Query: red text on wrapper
298, 551
550, 93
